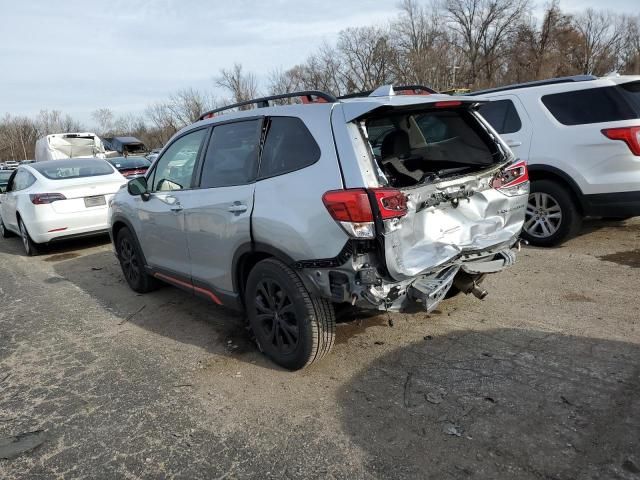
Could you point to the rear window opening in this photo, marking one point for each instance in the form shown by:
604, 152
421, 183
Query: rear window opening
425, 146
67, 169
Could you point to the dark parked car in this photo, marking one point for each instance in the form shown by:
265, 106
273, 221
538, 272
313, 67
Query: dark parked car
4, 179
130, 167
125, 145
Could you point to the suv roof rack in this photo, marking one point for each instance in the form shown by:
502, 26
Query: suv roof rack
536, 83
306, 96
399, 90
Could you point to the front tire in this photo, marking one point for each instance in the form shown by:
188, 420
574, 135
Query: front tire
132, 264
31, 248
551, 216
292, 327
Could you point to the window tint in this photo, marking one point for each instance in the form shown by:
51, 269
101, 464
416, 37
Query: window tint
175, 169
595, 105
502, 115
232, 155
22, 180
289, 146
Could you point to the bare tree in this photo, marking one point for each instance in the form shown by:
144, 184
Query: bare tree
104, 118
483, 28
242, 86
601, 38
188, 104
367, 58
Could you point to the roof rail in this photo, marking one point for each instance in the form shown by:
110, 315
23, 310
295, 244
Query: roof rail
399, 90
536, 83
306, 96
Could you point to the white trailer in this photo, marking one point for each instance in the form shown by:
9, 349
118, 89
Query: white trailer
69, 145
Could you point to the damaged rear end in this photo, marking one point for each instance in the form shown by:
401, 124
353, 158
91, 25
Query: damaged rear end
436, 203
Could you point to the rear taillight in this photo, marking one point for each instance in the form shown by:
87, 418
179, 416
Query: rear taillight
352, 208
392, 203
629, 135
513, 180
44, 198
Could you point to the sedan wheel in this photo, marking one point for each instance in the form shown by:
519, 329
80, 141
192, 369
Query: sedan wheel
543, 216
3, 230
30, 246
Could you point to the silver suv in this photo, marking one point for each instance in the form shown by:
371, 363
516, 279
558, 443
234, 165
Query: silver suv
284, 211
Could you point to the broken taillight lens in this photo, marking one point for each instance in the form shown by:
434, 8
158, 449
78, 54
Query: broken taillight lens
352, 208
392, 203
45, 198
629, 135
513, 180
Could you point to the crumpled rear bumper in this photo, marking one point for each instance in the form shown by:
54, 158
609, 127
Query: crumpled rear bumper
426, 290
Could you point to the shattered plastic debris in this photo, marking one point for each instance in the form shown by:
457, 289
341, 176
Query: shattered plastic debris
11, 447
451, 429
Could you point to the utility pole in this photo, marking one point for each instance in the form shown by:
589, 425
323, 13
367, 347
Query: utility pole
454, 67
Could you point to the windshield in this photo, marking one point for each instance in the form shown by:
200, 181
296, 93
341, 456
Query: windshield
420, 146
66, 169
4, 175
126, 163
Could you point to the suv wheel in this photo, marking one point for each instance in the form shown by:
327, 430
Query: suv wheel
551, 216
3, 230
293, 327
132, 265
30, 247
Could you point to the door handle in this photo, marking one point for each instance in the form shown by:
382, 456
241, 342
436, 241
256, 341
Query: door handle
513, 143
237, 208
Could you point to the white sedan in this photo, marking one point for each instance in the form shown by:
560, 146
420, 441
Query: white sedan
58, 199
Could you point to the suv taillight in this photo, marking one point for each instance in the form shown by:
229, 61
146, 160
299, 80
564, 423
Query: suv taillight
629, 135
513, 180
352, 208
392, 203
44, 198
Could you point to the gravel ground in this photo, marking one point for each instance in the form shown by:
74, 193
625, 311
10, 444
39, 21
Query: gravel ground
539, 380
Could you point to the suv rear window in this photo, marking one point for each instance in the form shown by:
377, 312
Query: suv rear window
289, 146
502, 116
595, 105
65, 169
423, 146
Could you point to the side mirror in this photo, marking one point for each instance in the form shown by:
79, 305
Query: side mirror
138, 187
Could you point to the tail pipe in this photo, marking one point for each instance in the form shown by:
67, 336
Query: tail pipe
470, 284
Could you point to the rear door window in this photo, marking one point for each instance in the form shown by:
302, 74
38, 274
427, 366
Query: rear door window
174, 170
232, 155
289, 146
595, 105
502, 116
23, 180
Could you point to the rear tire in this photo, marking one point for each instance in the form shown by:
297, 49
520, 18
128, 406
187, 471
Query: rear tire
3, 230
31, 248
292, 327
551, 216
132, 265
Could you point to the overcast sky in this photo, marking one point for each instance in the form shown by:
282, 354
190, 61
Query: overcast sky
80, 55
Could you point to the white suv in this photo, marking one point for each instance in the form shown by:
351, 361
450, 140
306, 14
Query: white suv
581, 138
